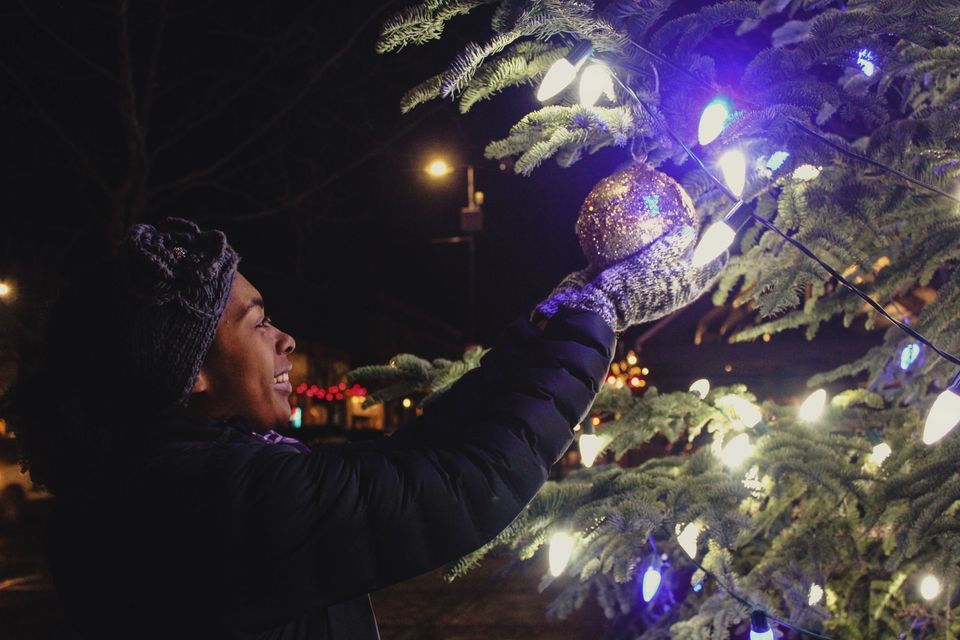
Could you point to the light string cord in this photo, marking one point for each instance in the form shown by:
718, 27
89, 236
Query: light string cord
802, 127
796, 243
833, 272
750, 605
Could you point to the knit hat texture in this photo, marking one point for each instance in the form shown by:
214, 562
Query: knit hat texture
176, 279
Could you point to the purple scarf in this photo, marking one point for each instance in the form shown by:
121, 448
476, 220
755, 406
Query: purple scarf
272, 437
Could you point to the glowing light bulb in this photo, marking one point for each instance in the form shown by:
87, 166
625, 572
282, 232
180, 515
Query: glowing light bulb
776, 160
5, 289
595, 82
631, 358
930, 587
806, 172
880, 453
815, 595
561, 548
651, 580
734, 167
406, 403
716, 239
438, 168
812, 407
747, 412
736, 451
865, 62
909, 355
687, 538
759, 627
590, 446
700, 387
562, 72
944, 414
713, 120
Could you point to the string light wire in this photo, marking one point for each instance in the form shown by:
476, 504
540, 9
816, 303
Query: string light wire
802, 127
750, 605
796, 243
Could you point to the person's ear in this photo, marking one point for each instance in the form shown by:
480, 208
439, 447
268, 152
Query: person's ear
202, 384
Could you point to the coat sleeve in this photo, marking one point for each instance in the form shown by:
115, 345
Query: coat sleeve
342, 521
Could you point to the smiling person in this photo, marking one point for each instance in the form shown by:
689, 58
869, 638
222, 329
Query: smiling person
181, 513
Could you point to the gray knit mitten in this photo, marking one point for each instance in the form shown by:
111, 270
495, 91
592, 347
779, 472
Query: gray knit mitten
650, 284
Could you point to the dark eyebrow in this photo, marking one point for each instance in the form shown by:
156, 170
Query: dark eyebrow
256, 302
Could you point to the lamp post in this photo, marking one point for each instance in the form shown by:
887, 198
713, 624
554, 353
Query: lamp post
471, 222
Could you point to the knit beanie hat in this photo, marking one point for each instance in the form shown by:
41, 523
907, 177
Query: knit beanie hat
175, 280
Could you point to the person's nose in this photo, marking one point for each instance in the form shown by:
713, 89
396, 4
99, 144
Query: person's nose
285, 343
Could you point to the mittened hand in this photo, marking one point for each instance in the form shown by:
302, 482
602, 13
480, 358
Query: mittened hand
646, 286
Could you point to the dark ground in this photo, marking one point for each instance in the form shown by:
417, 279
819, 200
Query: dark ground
493, 602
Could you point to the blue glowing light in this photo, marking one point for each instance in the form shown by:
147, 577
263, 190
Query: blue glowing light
776, 160
909, 355
296, 417
653, 204
697, 588
865, 62
713, 120
651, 582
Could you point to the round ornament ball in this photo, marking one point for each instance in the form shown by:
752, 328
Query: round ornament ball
629, 210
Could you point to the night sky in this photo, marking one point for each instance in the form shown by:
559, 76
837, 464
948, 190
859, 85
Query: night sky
278, 123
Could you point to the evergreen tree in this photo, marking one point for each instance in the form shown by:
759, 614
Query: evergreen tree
811, 525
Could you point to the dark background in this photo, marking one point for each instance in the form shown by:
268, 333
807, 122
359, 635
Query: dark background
279, 123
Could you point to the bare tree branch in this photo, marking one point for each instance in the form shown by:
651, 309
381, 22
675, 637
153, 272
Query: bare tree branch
150, 84
66, 45
298, 200
131, 195
270, 122
85, 161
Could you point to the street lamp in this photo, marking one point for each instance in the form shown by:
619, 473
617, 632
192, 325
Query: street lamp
471, 222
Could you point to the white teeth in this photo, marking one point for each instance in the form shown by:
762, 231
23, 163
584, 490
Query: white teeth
283, 377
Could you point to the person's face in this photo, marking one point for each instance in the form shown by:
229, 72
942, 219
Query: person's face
245, 372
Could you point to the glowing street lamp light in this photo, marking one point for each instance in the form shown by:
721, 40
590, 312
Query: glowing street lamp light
439, 168
5, 290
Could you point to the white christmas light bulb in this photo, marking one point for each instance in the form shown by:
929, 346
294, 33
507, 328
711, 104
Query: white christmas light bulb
880, 453
716, 239
815, 595
759, 627
590, 446
700, 387
930, 587
562, 72
944, 415
712, 121
687, 538
561, 547
734, 167
736, 451
651, 580
806, 172
595, 82
812, 407
747, 412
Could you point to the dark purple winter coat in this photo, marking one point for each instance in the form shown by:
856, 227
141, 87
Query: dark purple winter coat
216, 534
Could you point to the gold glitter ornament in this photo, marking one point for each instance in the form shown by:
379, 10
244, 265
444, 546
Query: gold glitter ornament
629, 210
